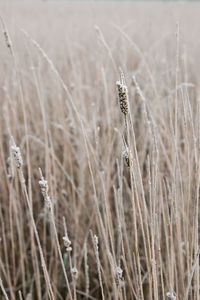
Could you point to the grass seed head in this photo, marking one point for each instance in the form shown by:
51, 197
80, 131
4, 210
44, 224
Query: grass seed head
7, 39
74, 273
123, 97
16, 153
118, 276
44, 189
67, 243
118, 272
128, 157
96, 241
171, 295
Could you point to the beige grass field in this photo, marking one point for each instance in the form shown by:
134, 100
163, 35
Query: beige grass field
123, 189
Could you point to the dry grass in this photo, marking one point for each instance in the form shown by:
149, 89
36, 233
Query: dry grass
130, 226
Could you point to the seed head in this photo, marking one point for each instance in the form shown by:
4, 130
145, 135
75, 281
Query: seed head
128, 157
171, 295
44, 189
7, 39
118, 272
74, 273
67, 243
118, 276
96, 241
17, 156
123, 97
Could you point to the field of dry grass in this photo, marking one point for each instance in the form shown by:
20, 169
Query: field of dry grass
114, 213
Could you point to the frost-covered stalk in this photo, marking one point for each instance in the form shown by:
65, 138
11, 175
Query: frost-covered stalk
3, 290
44, 189
96, 251
87, 285
124, 107
16, 154
74, 273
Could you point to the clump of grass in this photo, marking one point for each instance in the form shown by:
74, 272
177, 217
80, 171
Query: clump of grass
141, 202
